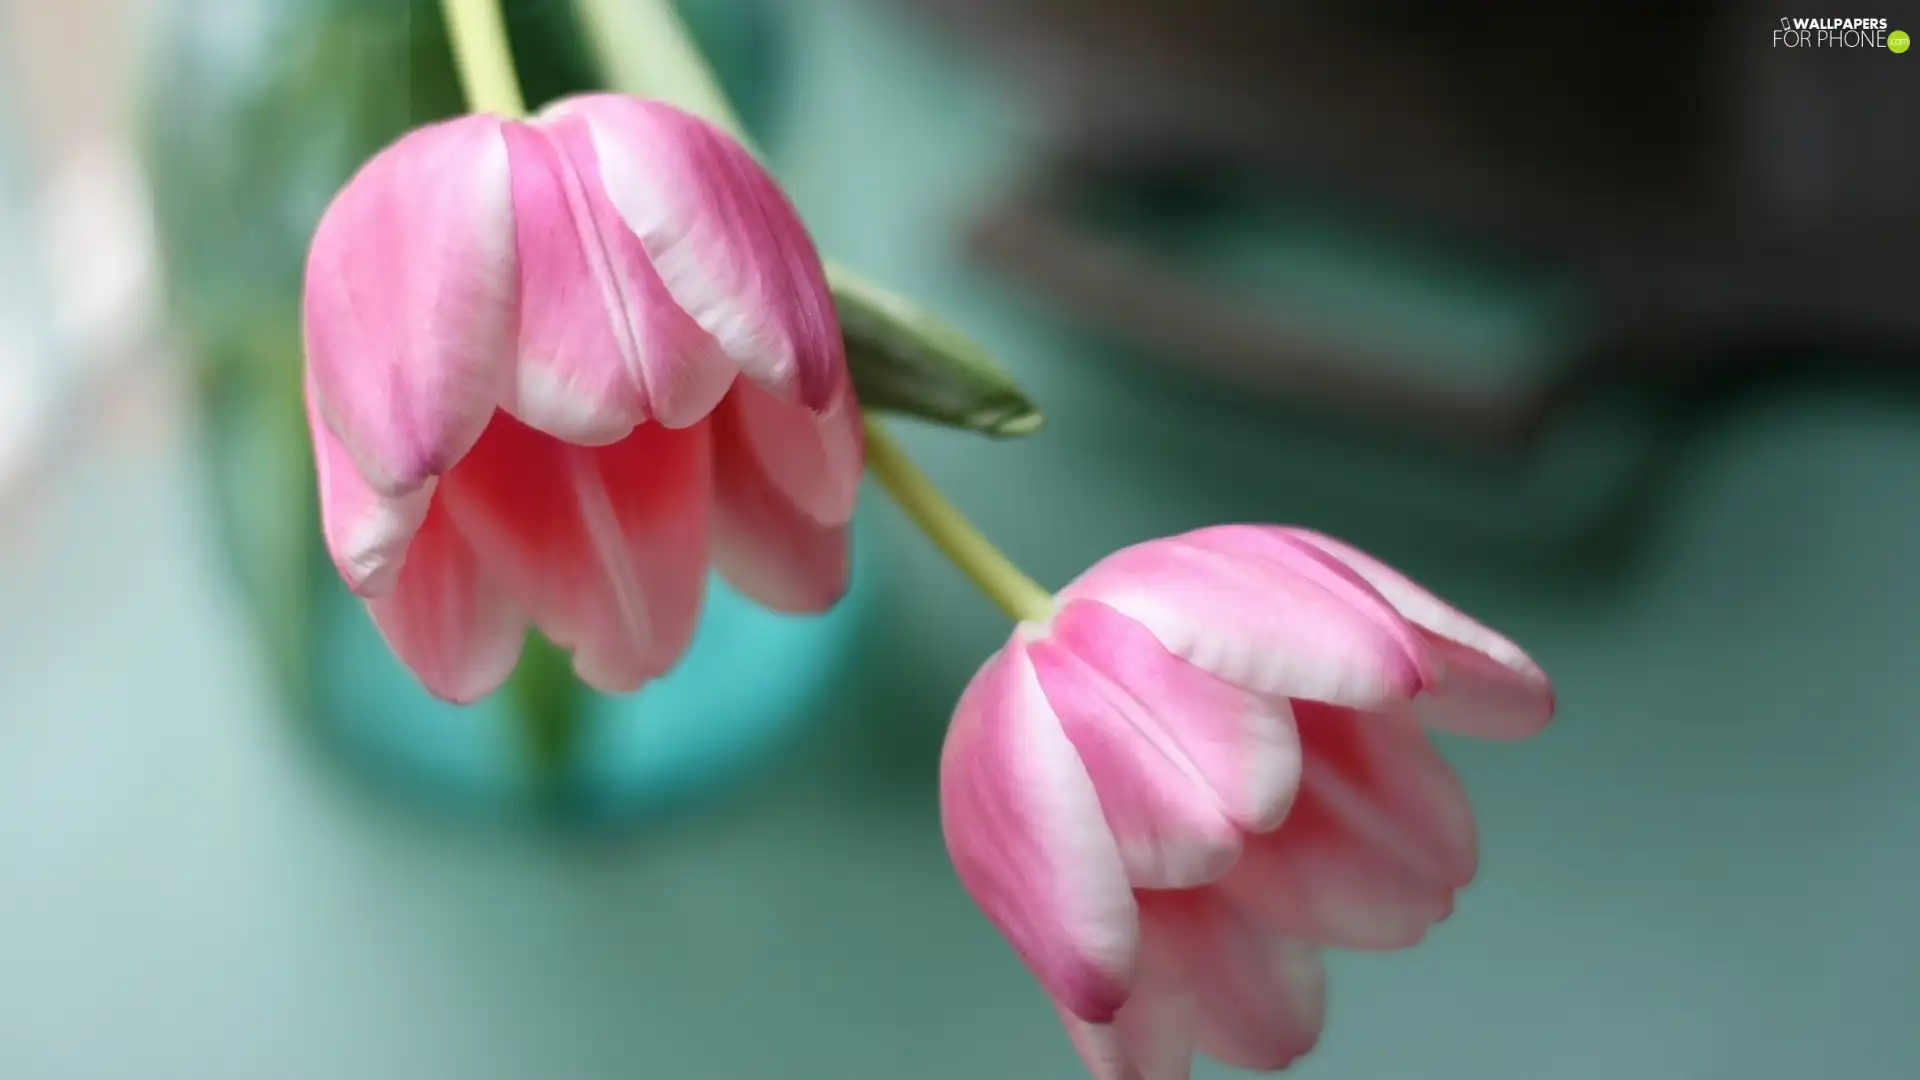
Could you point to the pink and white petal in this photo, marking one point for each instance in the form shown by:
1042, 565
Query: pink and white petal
729, 246
1259, 624
762, 543
1169, 827
1152, 1039
1482, 697
410, 302
1182, 761
1242, 745
1152, 1036
1027, 838
1283, 552
1325, 875
814, 459
579, 344
1400, 793
367, 533
595, 307
606, 546
1260, 997
447, 619
1485, 685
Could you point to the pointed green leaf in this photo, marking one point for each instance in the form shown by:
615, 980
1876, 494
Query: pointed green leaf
908, 361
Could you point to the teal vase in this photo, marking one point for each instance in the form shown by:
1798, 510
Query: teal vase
259, 110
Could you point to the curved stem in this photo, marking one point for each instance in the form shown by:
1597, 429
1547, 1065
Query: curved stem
1013, 591
481, 54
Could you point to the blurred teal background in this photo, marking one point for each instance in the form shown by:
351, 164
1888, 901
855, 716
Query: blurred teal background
1706, 869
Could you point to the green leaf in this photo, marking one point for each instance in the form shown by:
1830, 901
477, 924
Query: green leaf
906, 360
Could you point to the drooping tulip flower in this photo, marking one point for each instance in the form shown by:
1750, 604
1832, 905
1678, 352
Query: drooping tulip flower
552, 367
1205, 765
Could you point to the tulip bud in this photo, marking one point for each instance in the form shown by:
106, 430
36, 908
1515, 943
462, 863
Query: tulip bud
1208, 763
525, 349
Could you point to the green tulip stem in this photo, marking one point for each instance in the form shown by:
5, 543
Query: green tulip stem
483, 57
646, 50
992, 572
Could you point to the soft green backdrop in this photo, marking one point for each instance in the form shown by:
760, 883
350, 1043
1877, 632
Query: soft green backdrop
1705, 870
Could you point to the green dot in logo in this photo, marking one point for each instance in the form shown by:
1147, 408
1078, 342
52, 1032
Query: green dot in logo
1897, 41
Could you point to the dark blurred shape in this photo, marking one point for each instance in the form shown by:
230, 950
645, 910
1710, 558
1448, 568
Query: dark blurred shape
1708, 202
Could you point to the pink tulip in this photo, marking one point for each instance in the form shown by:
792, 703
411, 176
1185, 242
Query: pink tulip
524, 348
1207, 764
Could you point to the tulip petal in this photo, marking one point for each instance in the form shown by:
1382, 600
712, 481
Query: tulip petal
1314, 880
447, 619
1260, 998
1482, 696
763, 544
1028, 840
367, 533
1182, 761
1284, 553
606, 546
1283, 620
410, 306
1152, 1036
1485, 685
1151, 1039
814, 459
1411, 799
602, 343
1376, 843
727, 243
579, 345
